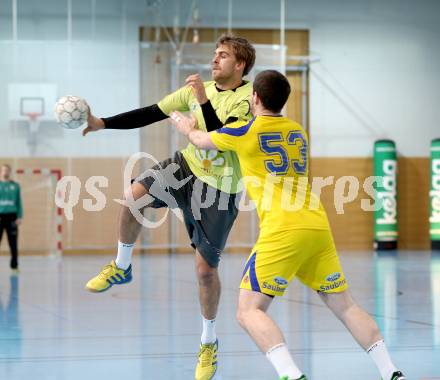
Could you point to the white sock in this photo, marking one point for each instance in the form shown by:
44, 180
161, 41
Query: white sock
281, 359
208, 333
123, 260
379, 353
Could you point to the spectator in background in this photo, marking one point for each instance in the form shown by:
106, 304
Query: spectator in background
11, 212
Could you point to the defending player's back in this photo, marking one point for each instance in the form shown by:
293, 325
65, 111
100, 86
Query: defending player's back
274, 162
293, 241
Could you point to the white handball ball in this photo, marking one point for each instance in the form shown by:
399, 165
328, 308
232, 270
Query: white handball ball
71, 111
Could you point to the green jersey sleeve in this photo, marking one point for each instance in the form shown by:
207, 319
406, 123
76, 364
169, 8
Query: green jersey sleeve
19, 203
242, 111
177, 101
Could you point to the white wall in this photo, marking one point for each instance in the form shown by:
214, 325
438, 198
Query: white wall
377, 74
374, 80
100, 63
104, 73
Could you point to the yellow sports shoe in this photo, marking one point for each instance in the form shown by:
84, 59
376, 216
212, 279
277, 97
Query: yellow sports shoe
110, 275
207, 363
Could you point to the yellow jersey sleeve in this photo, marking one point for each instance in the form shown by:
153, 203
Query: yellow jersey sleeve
176, 101
229, 137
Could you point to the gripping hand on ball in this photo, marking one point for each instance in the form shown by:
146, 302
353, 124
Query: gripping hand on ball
94, 124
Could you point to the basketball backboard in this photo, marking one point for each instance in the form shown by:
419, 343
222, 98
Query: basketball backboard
31, 98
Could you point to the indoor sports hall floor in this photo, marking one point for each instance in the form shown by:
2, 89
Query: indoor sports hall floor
51, 328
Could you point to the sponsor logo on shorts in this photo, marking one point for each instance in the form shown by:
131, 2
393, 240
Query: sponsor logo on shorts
333, 277
280, 281
246, 279
274, 288
335, 285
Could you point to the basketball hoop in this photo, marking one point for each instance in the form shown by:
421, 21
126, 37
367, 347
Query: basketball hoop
33, 116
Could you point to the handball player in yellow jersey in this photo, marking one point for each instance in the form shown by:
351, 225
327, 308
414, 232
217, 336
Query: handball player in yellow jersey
223, 100
295, 238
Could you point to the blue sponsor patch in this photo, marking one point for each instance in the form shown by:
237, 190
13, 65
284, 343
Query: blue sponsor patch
280, 281
333, 277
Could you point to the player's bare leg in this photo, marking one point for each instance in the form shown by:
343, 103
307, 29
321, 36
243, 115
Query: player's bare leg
209, 297
119, 271
129, 228
209, 287
360, 324
252, 316
364, 330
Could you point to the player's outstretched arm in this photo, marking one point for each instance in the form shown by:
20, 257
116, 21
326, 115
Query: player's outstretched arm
128, 120
187, 127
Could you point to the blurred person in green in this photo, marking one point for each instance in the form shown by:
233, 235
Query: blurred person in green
11, 212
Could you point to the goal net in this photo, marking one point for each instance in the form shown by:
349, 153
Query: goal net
41, 232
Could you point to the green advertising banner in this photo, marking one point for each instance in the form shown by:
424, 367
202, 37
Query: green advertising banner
385, 218
434, 195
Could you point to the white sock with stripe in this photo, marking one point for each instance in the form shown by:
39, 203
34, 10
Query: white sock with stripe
281, 359
125, 251
379, 353
208, 333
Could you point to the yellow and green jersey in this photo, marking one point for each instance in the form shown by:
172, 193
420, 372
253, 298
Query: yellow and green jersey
274, 163
213, 166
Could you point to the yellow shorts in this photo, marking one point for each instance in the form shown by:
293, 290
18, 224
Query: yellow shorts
309, 255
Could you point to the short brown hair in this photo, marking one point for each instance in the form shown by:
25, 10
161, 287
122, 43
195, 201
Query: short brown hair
273, 89
242, 48
6, 166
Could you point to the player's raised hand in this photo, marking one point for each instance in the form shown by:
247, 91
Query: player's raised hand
183, 124
93, 124
198, 88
